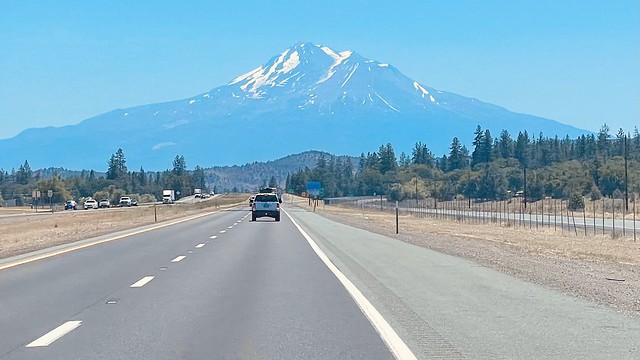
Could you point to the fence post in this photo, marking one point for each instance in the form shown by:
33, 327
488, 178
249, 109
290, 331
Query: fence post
613, 222
624, 214
603, 205
594, 218
396, 216
555, 216
561, 216
584, 219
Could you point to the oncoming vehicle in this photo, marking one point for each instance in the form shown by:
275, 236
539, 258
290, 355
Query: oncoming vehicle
71, 205
104, 203
90, 204
125, 201
266, 205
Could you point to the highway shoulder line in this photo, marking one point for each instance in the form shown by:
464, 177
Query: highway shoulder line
81, 244
398, 348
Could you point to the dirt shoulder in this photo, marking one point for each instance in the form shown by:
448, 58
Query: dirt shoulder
596, 268
24, 234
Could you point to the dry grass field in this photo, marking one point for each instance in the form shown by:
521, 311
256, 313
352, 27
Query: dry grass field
23, 234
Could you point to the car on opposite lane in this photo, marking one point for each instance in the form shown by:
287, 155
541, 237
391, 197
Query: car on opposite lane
90, 204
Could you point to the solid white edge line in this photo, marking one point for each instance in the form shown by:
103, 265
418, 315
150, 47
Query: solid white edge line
199, 246
55, 334
178, 258
142, 282
398, 348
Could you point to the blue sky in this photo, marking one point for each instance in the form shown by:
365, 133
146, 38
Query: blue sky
61, 62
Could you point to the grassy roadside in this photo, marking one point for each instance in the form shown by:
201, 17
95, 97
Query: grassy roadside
25, 234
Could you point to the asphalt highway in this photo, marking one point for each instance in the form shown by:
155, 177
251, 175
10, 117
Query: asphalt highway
219, 287
222, 287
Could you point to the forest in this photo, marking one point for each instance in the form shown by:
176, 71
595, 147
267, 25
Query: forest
118, 181
496, 168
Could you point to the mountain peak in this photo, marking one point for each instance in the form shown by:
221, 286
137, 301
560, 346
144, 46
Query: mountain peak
318, 77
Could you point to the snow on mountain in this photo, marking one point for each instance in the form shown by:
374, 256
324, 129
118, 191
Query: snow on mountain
318, 78
312, 96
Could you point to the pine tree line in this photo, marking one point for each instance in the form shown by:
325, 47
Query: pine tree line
591, 165
118, 181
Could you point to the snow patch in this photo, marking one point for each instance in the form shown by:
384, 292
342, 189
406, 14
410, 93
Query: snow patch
161, 145
349, 77
245, 76
191, 102
420, 88
156, 113
337, 60
205, 95
383, 65
126, 114
385, 101
432, 99
175, 124
291, 62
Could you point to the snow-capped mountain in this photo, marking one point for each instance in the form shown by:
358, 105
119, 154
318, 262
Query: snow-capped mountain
319, 79
307, 97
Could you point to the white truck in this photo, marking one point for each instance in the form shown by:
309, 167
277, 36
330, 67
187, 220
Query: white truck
197, 193
168, 196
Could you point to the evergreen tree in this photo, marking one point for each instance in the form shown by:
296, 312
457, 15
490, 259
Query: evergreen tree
179, 166
24, 174
478, 144
521, 150
388, 161
505, 145
117, 166
602, 143
457, 158
422, 155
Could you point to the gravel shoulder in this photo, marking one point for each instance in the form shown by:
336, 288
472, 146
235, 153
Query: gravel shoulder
595, 268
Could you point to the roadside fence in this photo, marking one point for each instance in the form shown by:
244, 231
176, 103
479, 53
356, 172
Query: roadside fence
597, 217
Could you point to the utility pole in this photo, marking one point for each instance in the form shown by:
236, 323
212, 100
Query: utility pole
524, 193
416, 191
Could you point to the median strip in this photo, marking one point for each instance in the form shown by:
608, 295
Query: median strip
55, 334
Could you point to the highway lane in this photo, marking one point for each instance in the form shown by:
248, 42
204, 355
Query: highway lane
217, 287
445, 307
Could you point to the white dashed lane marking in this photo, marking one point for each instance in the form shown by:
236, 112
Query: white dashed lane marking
199, 246
213, 237
55, 334
223, 231
178, 258
142, 282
